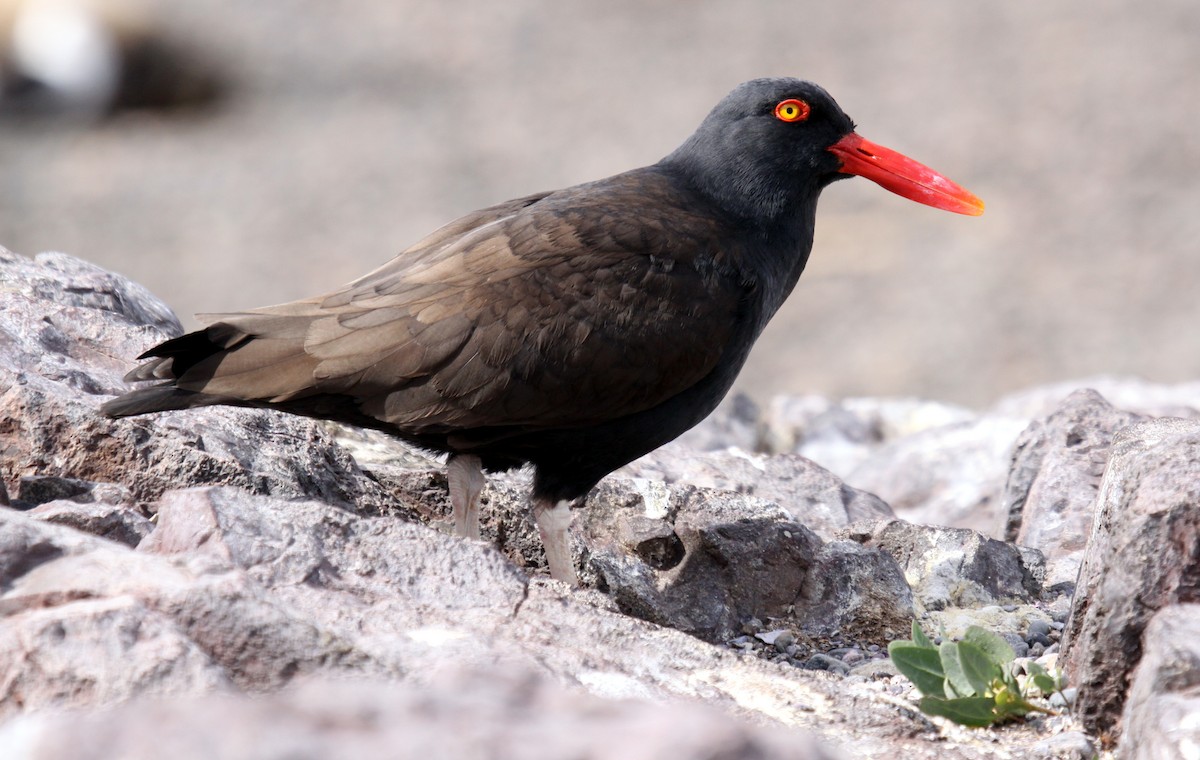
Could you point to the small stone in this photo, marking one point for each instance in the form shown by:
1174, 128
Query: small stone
1070, 745
770, 637
825, 662
1038, 638
1038, 628
785, 640
1017, 643
853, 657
1009, 608
1064, 698
876, 669
752, 626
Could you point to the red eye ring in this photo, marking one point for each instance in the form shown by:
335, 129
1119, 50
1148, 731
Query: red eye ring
792, 110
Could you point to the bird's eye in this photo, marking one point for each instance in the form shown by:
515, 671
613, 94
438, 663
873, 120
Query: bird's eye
792, 110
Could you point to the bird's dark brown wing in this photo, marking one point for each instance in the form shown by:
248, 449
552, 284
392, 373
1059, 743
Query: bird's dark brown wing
550, 311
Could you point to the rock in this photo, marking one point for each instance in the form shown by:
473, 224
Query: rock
1055, 475
841, 435
33, 490
950, 475
1141, 557
470, 713
1128, 393
810, 494
1069, 745
70, 331
1160, 713
704, 561
954, 621
955, 567
116, 523
245, 592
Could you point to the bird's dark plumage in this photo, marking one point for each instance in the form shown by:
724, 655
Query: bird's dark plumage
575, 330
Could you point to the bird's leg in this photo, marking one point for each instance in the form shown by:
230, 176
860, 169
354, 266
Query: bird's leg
553, 519
464, 473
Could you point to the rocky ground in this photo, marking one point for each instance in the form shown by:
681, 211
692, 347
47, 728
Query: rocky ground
289, 581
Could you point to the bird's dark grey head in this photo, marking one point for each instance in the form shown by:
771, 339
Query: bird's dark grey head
762, 152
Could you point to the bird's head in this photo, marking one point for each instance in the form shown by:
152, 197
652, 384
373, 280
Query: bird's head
771, 145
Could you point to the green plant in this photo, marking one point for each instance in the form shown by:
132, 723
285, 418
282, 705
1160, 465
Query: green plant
974, 681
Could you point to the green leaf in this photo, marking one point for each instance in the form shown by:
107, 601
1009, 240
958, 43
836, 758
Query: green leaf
960, 682
922, 665
919, 638
969, 711
997, 649
1045, 683
979, 667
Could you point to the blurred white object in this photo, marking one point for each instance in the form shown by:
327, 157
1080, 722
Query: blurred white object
87, 57
67, 47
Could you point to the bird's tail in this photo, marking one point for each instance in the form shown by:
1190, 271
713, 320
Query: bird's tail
160, 398
167, 363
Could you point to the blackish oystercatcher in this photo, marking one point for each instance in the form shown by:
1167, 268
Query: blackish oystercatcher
573, 330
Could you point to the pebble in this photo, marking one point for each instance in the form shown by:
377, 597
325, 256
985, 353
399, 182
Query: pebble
1038, 628
752, 626
1038, 638
1070, 744
1017, 643
784, 640
1064, 698
825, 662
770, 637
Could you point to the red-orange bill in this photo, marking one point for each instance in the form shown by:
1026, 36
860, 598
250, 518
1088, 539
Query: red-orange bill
903, 176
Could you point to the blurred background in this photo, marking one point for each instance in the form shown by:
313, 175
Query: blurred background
230, 154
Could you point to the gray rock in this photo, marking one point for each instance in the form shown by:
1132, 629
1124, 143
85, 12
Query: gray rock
116, 523
70, 331
950, 475
825, 662
498, 712
809, 493
841, 435
954, 567
1055, 475
237, 591
1159, 719
1069, 745
1039, 628
33, 490
1140, 558
1128, 393
703, 561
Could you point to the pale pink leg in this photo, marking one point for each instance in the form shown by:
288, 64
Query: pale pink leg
552, 521
464, 472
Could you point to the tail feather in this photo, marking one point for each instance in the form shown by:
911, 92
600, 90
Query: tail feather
159, 398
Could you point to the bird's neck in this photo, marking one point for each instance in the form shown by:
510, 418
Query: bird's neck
769, 201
